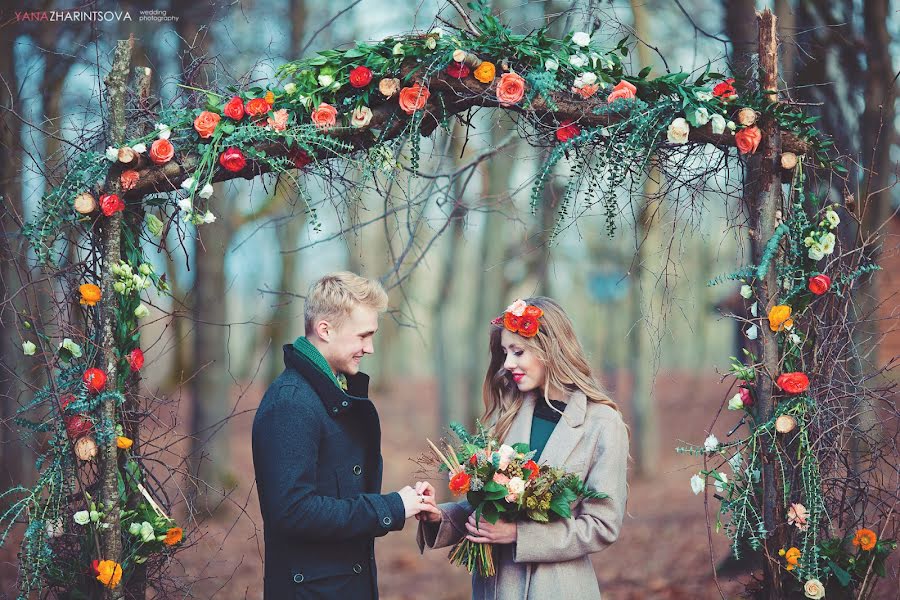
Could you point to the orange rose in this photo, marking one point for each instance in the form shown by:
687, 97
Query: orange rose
623, 89
511, 321
586, 91
486, 72
162, 151
256, 107
865, 539
173, 536
109, 573
413, 98
123, 442
205, 124
793, 383
324, 117
459, 484
511, 89
533, 311
748, 139
780, 318
90, 294
270, 97
129, 179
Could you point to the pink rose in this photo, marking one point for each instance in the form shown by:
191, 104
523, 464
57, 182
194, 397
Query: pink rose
623, 89
511, 89
278, 120
501, 478
324, 117
517, 308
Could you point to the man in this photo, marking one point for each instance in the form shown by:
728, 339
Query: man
317, 453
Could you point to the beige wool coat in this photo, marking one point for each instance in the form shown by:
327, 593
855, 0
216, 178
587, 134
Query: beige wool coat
552, 560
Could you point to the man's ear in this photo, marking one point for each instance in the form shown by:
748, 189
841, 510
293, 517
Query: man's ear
323, 330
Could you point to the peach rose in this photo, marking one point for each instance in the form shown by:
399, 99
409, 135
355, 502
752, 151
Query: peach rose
389, 86
511, 89
205, 124
413, 98
162, 151
748, 139
586, 91
278, 120
324, 117
623, 89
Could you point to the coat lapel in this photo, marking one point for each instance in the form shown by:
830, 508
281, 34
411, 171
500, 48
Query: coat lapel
567, 432
520, 430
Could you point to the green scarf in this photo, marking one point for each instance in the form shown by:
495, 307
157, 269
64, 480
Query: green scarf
312, 354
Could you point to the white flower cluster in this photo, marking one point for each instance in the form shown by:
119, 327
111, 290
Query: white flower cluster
127, 281
145, 531
186, 206
821, 243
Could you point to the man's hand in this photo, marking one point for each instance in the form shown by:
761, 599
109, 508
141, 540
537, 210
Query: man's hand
414, 503
426, 490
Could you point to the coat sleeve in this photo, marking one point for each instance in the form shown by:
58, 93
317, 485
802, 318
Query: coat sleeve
449, 531
598, 524
285, 454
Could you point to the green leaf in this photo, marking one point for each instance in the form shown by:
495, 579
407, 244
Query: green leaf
561, 507
538, 515
644, 72
521, 447
843, 576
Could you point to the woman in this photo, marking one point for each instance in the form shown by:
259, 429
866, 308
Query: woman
539, 390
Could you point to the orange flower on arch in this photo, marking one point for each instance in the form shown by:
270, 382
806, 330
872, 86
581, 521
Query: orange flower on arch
110, 573
865, 539
173, 536
90, 294
780, 318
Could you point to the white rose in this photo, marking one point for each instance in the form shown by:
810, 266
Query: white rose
361, 116
187, 184
711, 443
208, 217
678, 131
698, 117
141, 311
82, 517
112, 154
325, 80
139, 148
827, 243
73, 348
506, 454
704, 96
752, 332
816, 252
516, 485
718, 123
832, 218
207, 191
746, 291
290, 88
164, 131
551, 65
814, 589
185, 205
578, 60
581, 38
795, 339
736, 403
720, 482
147, 533
430, 43
589, 78
697, 484
754, 309
735, 462
134, 529
28, 348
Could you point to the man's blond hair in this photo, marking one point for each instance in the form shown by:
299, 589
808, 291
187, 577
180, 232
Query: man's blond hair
334, 296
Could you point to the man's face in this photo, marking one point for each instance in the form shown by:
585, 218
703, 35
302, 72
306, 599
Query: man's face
351, 340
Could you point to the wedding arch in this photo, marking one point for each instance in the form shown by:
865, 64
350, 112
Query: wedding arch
95, 520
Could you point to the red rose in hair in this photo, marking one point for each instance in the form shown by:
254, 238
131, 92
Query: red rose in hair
458, 70
300, 158
566, 131
360, 77
256, 107
95, 380
533, 467
528, 326
793, 383
135, 359
111, 204
819, 284
725, 90
234, 109
232, 159
77, 426
533, 311
162, 151
511, 321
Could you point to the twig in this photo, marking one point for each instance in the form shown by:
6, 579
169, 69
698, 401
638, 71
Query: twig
465, 17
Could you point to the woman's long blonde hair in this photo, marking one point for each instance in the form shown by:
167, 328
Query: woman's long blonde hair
558, 348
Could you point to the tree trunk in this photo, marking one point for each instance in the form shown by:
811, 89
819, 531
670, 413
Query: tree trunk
762, 194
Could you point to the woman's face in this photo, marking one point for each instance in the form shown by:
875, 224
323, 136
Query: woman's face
527, 372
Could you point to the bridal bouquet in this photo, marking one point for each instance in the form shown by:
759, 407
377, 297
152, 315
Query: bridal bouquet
504, 482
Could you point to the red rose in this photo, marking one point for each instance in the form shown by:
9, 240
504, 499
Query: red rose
135, 359
95, 380
819, 284
793, 383
566, 131
77, 426
746, 397
748, 139
256, 107
94, 569
111, 204
234, 109
458, 70
511, 321
459, 485
360, 76
725, 90
528, 326
300, 158
161, 151
233, 159
533, 467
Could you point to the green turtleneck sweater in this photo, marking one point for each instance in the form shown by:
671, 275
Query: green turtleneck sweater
312, 354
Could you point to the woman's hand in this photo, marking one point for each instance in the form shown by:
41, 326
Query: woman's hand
500, 532
426, 492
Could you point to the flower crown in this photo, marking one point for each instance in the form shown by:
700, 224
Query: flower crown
520, 318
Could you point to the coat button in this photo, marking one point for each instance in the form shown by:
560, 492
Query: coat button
345, 403
334, 410
298, 578
357, 568
386, 521
357, 470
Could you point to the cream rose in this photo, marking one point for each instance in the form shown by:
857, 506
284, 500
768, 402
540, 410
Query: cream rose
678, 131
814, 589
361, 116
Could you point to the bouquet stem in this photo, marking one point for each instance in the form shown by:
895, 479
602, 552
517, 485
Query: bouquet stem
474, 557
